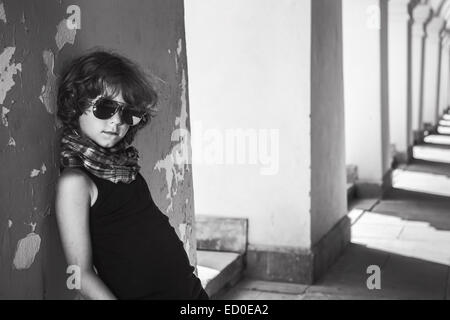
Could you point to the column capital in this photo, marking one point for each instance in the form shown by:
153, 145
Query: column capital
435, 27
421, 13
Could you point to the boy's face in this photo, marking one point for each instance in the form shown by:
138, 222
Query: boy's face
106, 133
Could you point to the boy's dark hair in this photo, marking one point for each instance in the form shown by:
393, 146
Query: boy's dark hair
89, 75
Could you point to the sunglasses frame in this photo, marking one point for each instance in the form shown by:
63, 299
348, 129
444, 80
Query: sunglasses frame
120, 107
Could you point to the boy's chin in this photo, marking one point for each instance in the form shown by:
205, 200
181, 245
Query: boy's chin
106, 144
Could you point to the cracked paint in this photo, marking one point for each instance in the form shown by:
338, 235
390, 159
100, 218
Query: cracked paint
181, 120
64, 34
175, 162
23, 21
33, 226
177, 57
184, 230
177, 159
7, 71
180, 47
36, 172
11, 142
48, 92
168, 164
26, 250
2, 12
5, 111
187, 243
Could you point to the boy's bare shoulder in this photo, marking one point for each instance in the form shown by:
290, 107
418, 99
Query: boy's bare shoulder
75, 178
74, 175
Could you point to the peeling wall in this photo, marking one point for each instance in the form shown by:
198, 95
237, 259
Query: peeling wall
35, 41
27, 145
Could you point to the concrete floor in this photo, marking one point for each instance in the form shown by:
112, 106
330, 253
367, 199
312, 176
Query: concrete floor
407, 235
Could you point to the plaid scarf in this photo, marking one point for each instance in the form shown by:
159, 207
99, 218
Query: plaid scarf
116, 164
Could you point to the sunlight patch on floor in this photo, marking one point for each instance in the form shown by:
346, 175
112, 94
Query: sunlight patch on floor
354, 215
415, 239
421, 182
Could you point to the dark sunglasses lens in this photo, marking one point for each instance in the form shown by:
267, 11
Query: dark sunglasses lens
132, 116
105, 109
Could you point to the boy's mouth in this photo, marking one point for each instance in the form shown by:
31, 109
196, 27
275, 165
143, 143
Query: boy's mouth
111, 133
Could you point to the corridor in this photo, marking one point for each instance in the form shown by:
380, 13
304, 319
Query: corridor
405, 234
370, 95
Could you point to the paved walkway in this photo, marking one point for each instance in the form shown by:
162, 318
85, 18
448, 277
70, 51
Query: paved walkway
407, 235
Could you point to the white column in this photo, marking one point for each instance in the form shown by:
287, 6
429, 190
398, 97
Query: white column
421, 14
445, 73
431, 71
278, 78
398, 75
270, 41
366, 105
448, 83
327, 119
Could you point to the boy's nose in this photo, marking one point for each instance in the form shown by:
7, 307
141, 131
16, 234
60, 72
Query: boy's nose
116, 118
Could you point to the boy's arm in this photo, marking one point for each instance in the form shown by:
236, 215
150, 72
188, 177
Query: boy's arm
72, 213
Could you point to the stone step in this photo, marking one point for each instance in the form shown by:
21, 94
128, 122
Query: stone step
443, 130
444, 122
431, 153
351, 192
421, 166
438, 140
221, 233
221, 248
352, 173
218, 270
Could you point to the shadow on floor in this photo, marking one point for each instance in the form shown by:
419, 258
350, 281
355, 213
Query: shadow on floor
406, 234
401, 278
416, 206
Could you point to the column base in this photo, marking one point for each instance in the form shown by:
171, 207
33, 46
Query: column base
295, 265
374, 189
418, 136
401, 157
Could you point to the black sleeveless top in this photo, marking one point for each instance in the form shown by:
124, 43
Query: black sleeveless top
136, 251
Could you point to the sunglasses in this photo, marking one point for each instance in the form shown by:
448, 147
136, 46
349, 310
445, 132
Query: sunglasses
104, 108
